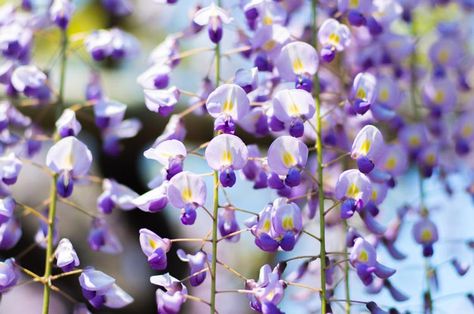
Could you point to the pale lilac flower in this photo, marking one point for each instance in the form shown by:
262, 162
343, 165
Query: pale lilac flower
7, 207
67, 124
293, 106
463, 133
170, 300
175, 129
113, 134
161, 101
69, 159
334, 37
108, 113
440, 95
31, 81
413, 137
354, 189
247, 79
10, 167
118, 7
197, 265
66, 256
388, 97
296, 60
187, 191
167, 52
9, 274
263, 231
154, 200
156, 77
368, 145
287, 222
446, 52
99, 44
425, 233
170, 154
363, 92
155, 248
102, 239
268, 290
10, 233
214, 17
269, 40
60, 12
115, 195
356, 10
226, 153
227, 224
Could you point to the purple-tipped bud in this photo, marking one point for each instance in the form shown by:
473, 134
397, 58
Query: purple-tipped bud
65, 184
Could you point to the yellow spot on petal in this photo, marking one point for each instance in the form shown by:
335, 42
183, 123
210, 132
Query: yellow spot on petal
443, 56
439, 97
391, 163
426, 235
374, 195
269, 45
430, 159
353, 191
363, 256
294, 110
267, 20
288, 159
365, 147
153, 244
414, 141
298, 65
228, 106
334, 38
384, 95
187, 195
227, 157
361, 94
466, 131
266, 225
287, 223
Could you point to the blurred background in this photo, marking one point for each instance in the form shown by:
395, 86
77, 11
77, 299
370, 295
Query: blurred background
150, 23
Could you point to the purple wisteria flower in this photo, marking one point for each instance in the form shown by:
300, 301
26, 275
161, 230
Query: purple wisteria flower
101, 238
154, 200
67, 124
354, 189
286, 157
171, 295
10, 233
363, 92
463, 134
425, 233
115, 195
212, 16
161, 101
293, 106
356, 10
334, 37
7, 207
227, 224
268, 291
197, 266
100, 290
364, 258
368, 145
114, 43
155, 248
69, 159
170, 154
31, 81
61, 12
187, 191
66, 256
226, 153
388, 97
10, 167
9, 275
108, 113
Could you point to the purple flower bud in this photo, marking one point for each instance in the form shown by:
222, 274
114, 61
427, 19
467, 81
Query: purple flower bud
461, 268
356, 18
214, 17
374, 308
197, 263
227, 224
60, 12
67, 124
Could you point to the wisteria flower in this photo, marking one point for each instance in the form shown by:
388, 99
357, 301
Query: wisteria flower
31, 81
334, 37
161, 101
287, 223
67, 124
169, 153
61, 12
197, 266
227, 224
363, 91
212, 16
108, 113
367, 147
154, 200
66, 256
10, 167
297, 61
226, 153
155, 248
69, 159
9, 274
425, 233
172, 295
115, 195
268, 290
101, 238
353, 188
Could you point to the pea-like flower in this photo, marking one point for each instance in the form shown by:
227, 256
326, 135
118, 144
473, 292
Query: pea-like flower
463, 133
31, 81
294, 106
69, 159
286, 157
287, 223
155, 248
367, 147
169, 153
356, 10
227, 103
268, 290
156, 77
353, 188
440, 95
227, 224
10, 233
187, 191
102, 238
414, 138
425, 233
60, 12
100, 290
115, 195
66, 256
67, 124
108, 113
247, 79
197, 266
9, 274
10, 167
363, 92
171, 295
364, 258
212, 16
298, 62
114, 43
114, 133
154, 200
388, 97
334, 37
7, 206
226, 153
161, 101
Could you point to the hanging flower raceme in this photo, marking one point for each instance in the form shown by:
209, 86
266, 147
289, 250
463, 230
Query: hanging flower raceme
155, 248
354, 189
66, 256
100, 290
70, 159
425, 233
9, 274
334, 37
170, 154
226, 153
197, 266
268, 291
10, 167
298, 62
367, 147
363, 91
294, 106
364, 258
32, 82
212, 16
171, 295
67, 124
115, 195
286, 157
187, 191
61, 12
227, 103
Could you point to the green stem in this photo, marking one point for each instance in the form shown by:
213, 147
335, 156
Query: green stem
319, 150
53, 193
346, 277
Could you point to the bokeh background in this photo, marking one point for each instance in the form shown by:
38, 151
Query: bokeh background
150, 23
